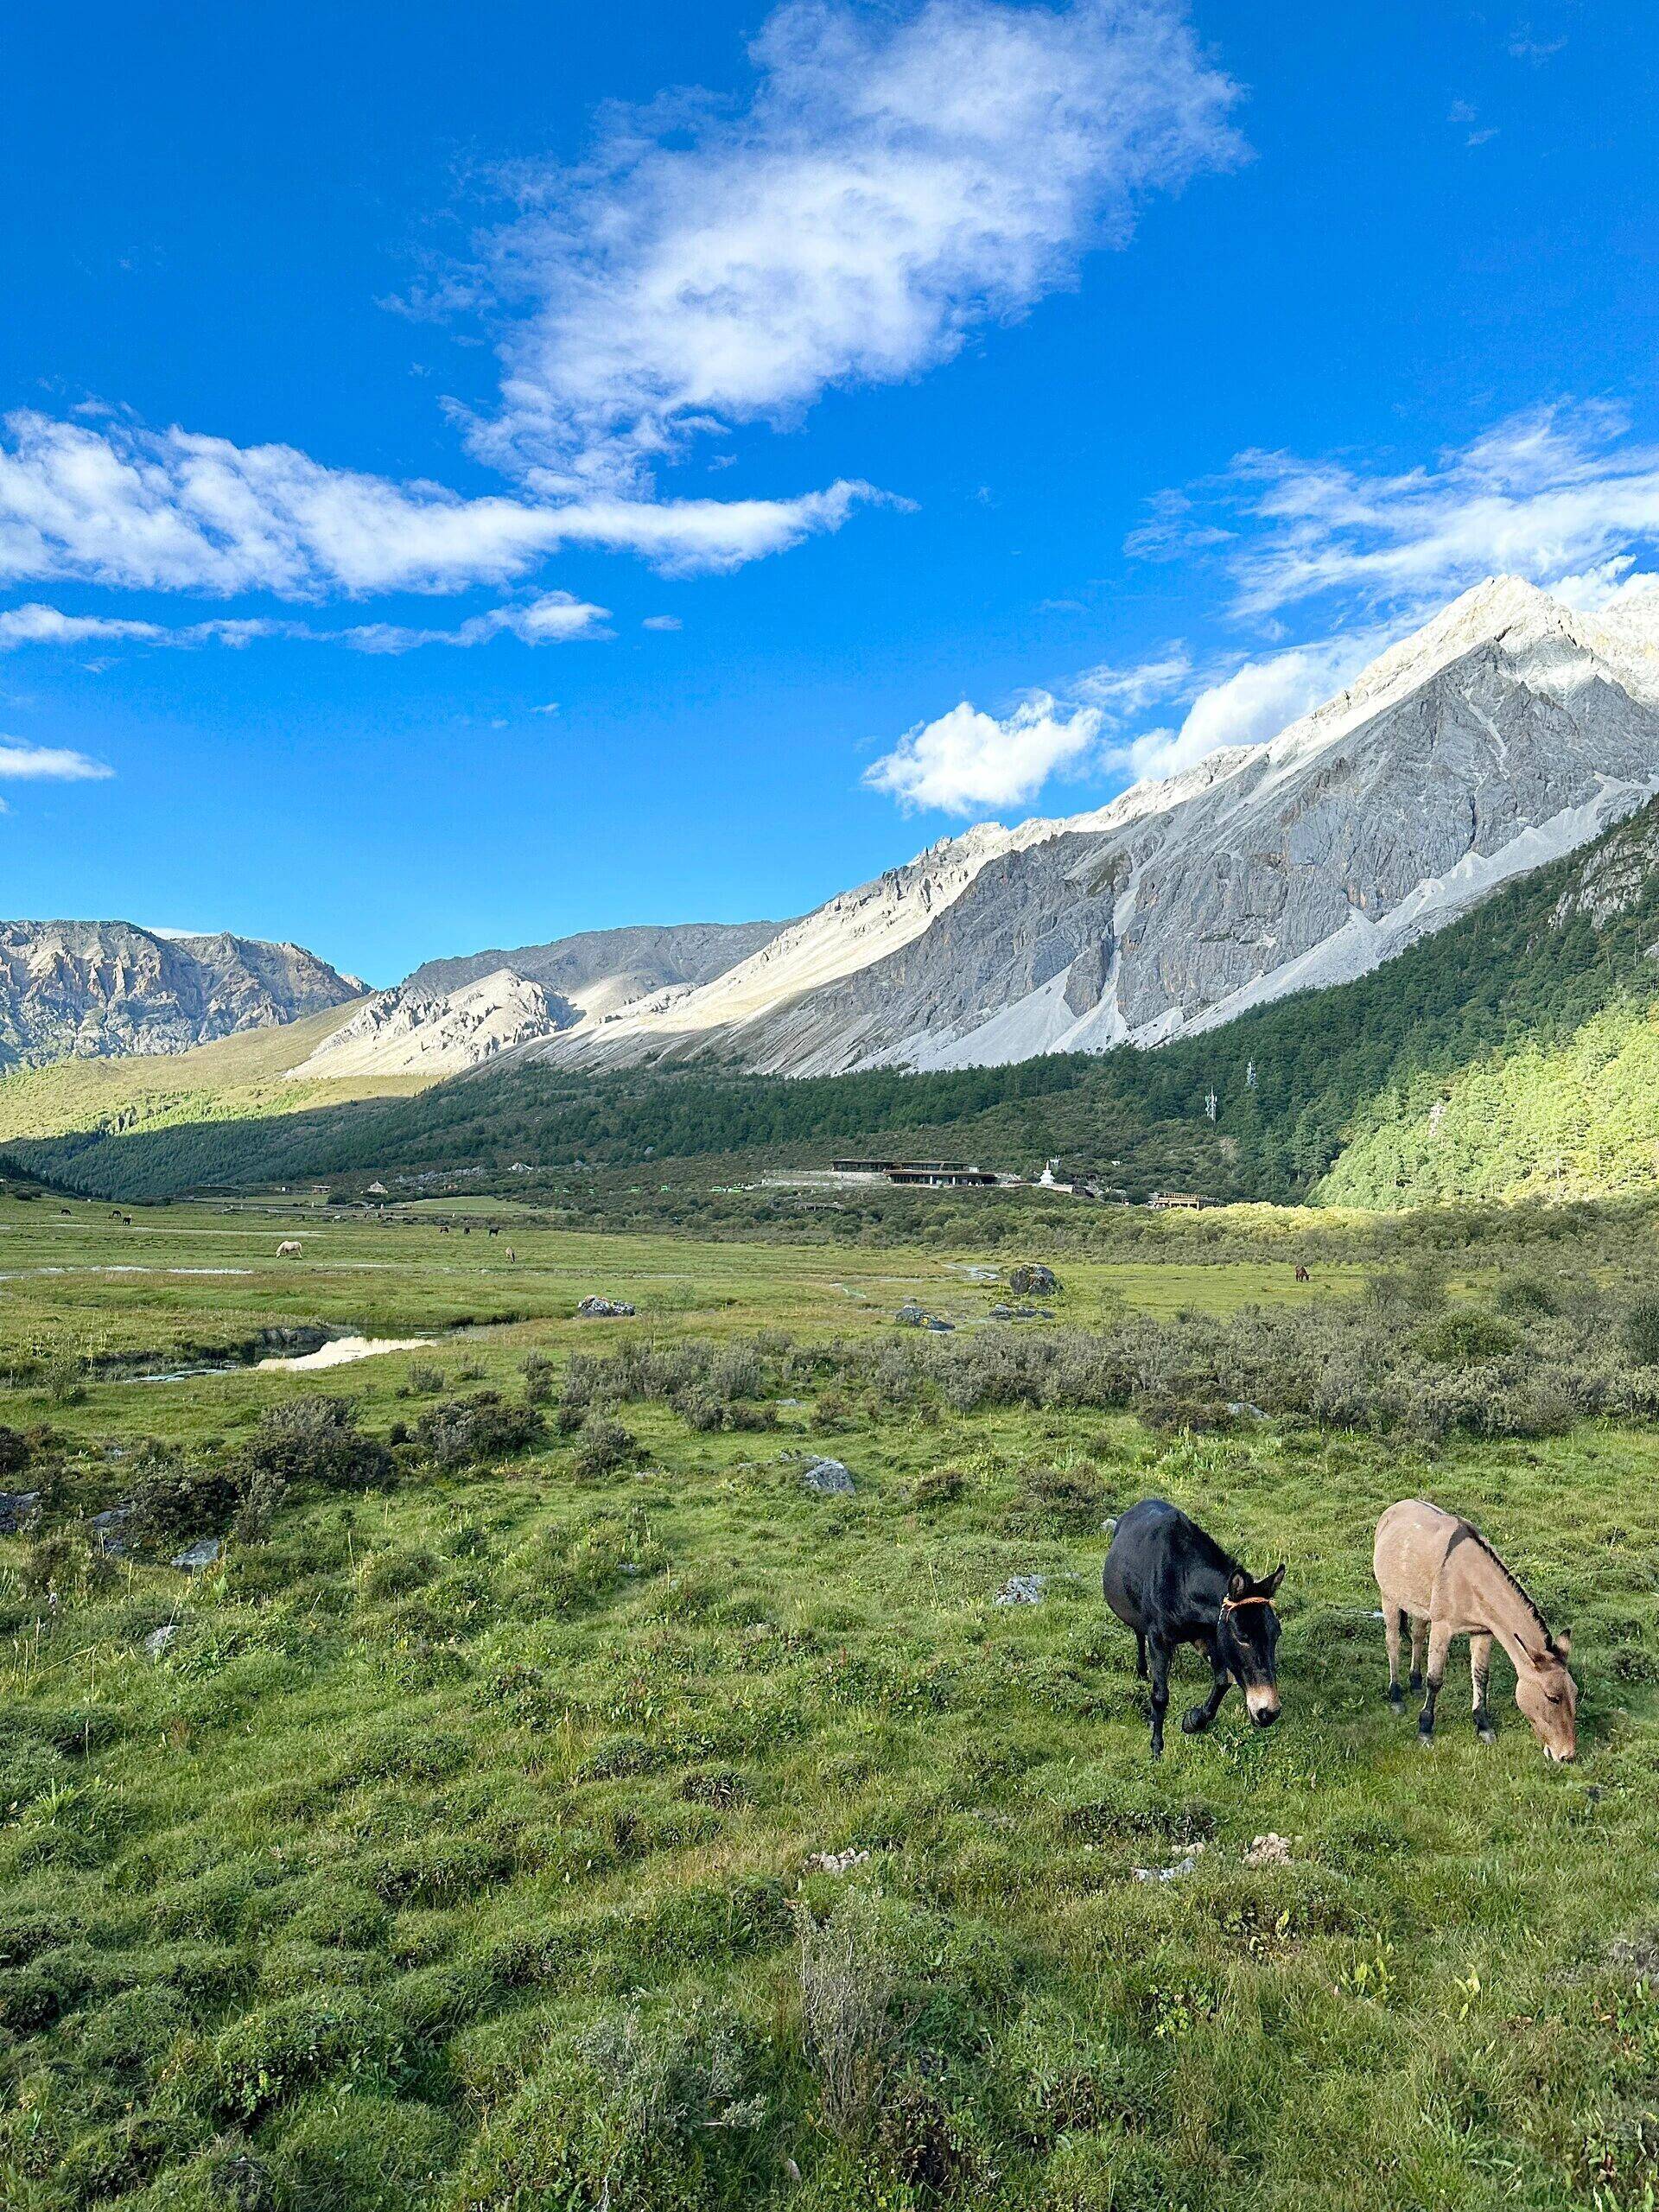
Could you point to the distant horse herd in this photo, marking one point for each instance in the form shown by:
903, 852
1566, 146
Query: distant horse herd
1169, 1581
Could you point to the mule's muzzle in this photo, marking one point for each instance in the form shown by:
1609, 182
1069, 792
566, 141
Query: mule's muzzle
1262, 1706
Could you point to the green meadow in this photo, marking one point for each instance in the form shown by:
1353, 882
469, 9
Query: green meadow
545, 1800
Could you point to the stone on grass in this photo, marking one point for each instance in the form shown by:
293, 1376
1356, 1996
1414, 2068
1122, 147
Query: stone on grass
1022, 1590
836, 1862
158, 1639
596, 1308
203, 1553
1184, 1862
16, 1506
1268, 1850
827, 1478
109, 1531
1033, 1280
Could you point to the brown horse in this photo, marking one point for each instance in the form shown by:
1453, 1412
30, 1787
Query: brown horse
1435, 1570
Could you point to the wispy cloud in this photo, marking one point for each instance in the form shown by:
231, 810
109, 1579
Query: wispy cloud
896, 180
555, 617
38, 764
1551, 492
171, 510
1525, 45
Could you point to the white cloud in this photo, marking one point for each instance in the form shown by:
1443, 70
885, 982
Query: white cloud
555, 617
896, 180
661, 622
967, 760
1253, 703
23, 763
1551, 493
171, 510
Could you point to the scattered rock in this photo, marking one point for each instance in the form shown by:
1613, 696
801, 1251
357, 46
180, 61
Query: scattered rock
1033, 1280
835, 1862
939, 1328
203, 1553
910, 1315
1184, 1863
1243, 1410
1109, 1526
108, 1531
1021, 1590
158, 1639
1268, 1850
828, 1477
1001, 1313
594, 1308
16, 1506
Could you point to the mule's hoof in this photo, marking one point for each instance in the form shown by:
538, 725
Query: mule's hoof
1487, 1735
1195, 1720
1416, 1683
1396, 1701
1425, 1739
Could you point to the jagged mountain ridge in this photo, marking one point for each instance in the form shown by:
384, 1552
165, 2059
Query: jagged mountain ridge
88, 989
1505, 732
449, 1015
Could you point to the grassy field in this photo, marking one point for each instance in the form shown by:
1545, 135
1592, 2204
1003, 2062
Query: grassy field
459, 1846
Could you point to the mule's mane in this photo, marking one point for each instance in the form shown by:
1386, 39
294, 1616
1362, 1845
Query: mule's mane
1466, 1529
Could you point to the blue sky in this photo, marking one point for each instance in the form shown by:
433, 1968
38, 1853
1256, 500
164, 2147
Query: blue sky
469, 479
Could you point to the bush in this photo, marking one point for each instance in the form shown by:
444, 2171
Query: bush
1640, 1332
314, 1440
463, 1431
938, 1486
539, 1374
1465, 1338
65, 1381
174, 1502
1527, 1298
1058, 1501
602, 1447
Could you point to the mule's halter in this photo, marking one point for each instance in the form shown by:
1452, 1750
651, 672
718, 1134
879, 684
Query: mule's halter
1232, 1604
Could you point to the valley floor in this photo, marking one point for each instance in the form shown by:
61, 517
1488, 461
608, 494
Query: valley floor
558, 1804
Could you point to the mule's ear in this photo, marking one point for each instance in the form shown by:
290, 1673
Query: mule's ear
1240, 1584
1563, 1641
1269, 1588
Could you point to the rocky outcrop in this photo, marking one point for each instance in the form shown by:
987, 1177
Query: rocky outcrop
432, 1032
86, 989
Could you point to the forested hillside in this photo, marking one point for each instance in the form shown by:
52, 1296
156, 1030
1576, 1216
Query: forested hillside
1513, 1053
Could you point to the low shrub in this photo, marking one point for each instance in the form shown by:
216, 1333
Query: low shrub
463, 1431
1639, 1332
315, 1439
1465, 1337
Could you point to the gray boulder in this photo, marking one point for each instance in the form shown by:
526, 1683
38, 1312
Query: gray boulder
16, 1506
827, 1478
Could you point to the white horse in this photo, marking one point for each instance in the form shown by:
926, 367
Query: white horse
290, 1249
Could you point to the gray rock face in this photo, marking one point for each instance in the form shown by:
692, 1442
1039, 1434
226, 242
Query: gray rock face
1507, 731
84, 990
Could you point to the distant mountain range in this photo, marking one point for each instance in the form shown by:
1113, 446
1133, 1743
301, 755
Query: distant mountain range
1508, 731
90, 989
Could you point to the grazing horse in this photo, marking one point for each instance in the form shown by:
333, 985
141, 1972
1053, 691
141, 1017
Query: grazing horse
1436, 1572
1172, 1583
1302, 1275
